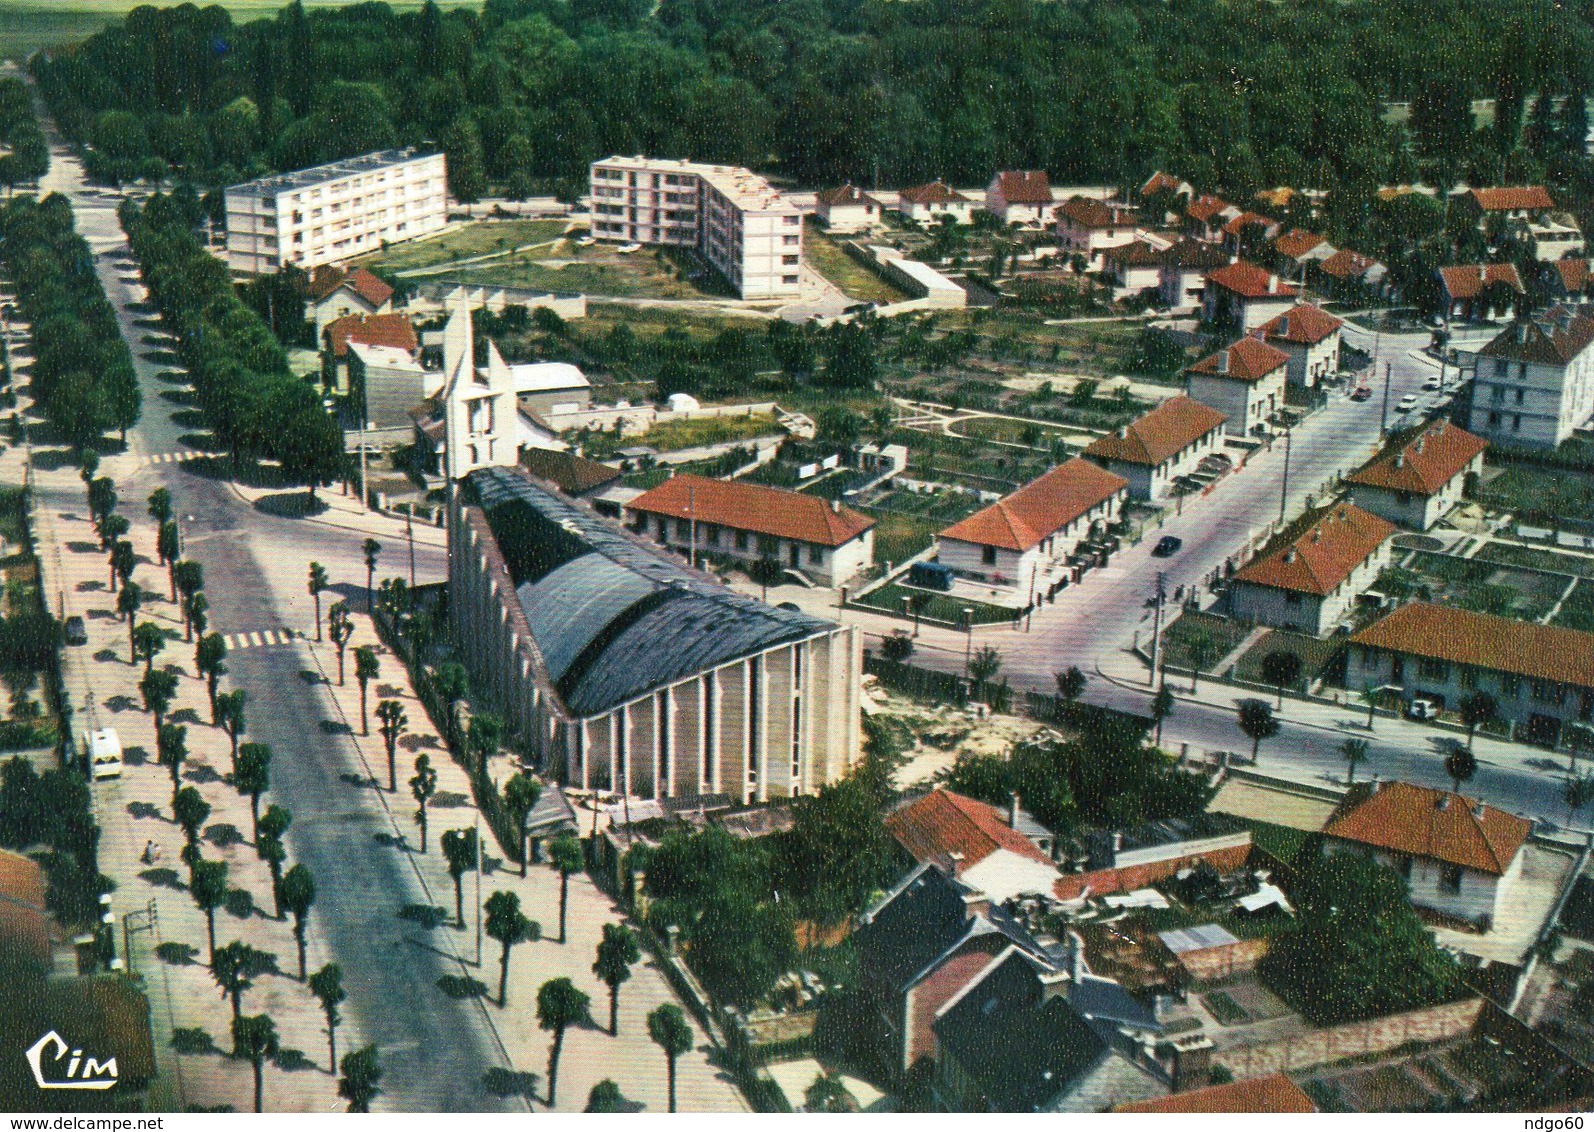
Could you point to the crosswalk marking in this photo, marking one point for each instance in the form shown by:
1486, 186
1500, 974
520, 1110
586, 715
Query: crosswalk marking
254, 639
171, 457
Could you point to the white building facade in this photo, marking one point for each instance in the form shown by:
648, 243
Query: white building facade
334, 212
1534, 383
733, 217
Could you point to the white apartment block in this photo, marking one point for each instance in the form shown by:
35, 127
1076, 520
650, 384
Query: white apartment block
1535, 381
733, 217
334, 212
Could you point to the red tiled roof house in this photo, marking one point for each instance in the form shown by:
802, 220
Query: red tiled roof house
1018, 541
1420, 477
1134, 268
1476, 291
1541, 676
1309, 583
1517, 202
1244, 382
1242, 296
1458, 856
1185, 267
333, 292
848, 209
1089, 227
1020, 197
821, 538
1166, 443
1310, 336
927, 203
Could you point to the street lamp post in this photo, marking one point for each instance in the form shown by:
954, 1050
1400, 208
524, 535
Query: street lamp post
1383, 415
1284, 483
968, 646
1156, 627
409, 533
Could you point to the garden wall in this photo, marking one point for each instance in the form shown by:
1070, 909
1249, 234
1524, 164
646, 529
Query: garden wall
1355, 1039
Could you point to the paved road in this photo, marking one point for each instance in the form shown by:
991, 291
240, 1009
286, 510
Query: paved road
255, 565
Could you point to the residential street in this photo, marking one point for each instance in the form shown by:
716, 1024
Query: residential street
435, 1049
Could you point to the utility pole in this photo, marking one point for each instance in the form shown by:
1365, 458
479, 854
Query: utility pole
479, 889
409, 533
1383, 416
968, 646
364, 494
1284, 485
1156, 627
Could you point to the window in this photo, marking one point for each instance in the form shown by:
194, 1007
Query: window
1469, 676
1450, 879
791, 221
754, 718
791, 241
664, 527
666, 778
712, 533
1516, 422
988, 555
1404, 869
1510, 684
768, 545
789, 280
1519, 393
1494, 419
816, 556
710, 763
1292, 598
741, 540
1430, 669
1543, 691
791, 261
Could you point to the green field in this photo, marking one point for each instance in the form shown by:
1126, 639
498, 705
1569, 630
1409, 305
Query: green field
829, 259
27, 26
1006, 430
599, 271
464, 241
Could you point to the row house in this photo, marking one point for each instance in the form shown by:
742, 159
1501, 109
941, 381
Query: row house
1153, 452
1245, 382
1311, 337
1087, 228
1420, 476
1534, 382
1020, 198
1309, 583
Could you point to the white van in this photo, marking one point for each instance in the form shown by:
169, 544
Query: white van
105, 754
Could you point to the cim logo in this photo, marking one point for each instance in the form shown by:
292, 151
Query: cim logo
81, 1072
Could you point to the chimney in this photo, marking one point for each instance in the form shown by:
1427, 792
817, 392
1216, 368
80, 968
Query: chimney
1123, 432
1284, 326
1400, 459
1012, 810
1483, 273
1444, 802
1117, 842
1317, 534
1289, 556
1272, 284
1417, 448
1076, 955
1522, 332
1223, 361
835, 506
1190, 1059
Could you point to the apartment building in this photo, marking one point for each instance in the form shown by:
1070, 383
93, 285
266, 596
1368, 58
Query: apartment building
733, 217
334, 212
1535, 381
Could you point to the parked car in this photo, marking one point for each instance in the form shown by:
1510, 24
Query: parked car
1422, 708
75, 632
1167, 546
104, 754
1363, 393
1431, 384
1407, 403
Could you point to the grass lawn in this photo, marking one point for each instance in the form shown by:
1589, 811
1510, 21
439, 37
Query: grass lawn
1279, 840
1526, 490
899, 537
938, 607
1008, 431
672, 436
464, 240
1315, 655
27, 26
1536, 559
1177, 637
599, 271
828, 258
1487, 587
1577, 611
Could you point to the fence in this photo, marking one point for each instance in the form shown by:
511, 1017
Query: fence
944, 687
1355, 1039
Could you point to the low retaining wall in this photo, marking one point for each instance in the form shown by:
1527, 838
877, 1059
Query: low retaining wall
1103, 881
1213, 963
1355, 1039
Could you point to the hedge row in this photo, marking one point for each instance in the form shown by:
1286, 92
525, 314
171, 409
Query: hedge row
29, 158
83, 376
253, 404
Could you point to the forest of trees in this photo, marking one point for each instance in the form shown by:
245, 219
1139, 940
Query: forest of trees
525, 93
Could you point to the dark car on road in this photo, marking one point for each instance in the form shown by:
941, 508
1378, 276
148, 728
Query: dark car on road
1167, 546
75, 633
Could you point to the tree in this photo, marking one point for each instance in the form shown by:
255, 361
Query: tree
269, 848
251, 777
149, 641
361, 1074
373, 550
897, 646
1070, 683
520, 797
617, 950
189, 578
459, 849
327, 985
826, 1094
254, 1039
111, 528
483, 738
207, 884
1200, 646
391, 722
230, 714
1162, 705
1460, 765
1256, 720
233, 967
1354, 752
605, 1096
565, 854
559, 1005
1477, 708
123, 559
196, 610
366, 669
984, 664
298, 894
1577, 793
671, 1032
160, 505
189, 811
340, 627
508, 925
317, 586
168, 545
765, 572
1356, 949
1372, 697
1281, 668
128, 603
423, 784
171, 748
209, 655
